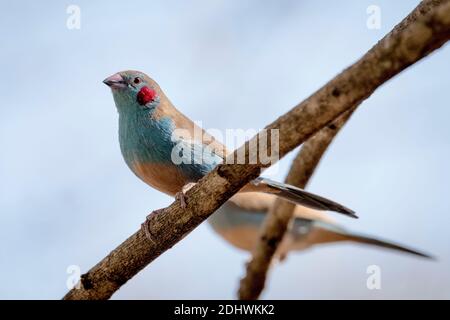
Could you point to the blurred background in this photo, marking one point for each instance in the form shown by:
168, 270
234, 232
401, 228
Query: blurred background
67, 197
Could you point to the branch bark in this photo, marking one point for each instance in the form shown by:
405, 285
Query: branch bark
385, 60
277, 221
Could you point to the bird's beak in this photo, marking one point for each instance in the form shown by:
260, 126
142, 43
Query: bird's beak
115, 81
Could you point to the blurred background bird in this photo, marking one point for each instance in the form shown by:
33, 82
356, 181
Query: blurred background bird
160, 146
239, 220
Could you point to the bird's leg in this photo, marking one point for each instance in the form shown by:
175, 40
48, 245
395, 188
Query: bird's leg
181, 196
145, 225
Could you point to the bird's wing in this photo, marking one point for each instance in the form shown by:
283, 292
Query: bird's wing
196, 151
190, 131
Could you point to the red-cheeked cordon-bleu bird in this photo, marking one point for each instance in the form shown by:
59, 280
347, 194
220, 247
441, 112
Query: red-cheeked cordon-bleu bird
151, 128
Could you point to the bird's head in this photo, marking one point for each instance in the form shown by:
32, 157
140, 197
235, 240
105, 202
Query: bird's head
133, 91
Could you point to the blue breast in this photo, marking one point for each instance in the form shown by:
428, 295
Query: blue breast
146, 140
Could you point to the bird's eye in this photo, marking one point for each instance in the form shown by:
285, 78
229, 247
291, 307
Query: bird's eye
136, 80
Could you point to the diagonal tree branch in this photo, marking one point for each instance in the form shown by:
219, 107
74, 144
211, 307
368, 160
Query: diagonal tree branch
389, 57
280, 215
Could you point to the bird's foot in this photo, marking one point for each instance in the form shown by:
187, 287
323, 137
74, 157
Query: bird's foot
145, 226
181, 196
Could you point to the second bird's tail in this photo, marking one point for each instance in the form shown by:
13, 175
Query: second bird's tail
311, 232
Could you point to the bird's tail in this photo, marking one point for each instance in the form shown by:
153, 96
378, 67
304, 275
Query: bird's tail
312, 232
297, 196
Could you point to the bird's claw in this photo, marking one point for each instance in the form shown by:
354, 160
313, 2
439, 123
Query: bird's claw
181, 196
145, 226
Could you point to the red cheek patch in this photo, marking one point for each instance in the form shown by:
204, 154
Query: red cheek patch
146, 95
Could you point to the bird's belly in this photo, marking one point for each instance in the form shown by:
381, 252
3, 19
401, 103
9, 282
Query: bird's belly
243, 237
165, 178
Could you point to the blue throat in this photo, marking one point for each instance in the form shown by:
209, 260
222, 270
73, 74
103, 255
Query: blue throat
145, 139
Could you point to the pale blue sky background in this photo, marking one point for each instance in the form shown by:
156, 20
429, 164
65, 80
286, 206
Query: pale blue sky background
67, 197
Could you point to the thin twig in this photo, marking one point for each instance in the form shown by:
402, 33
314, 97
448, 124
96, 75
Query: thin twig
385, 60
